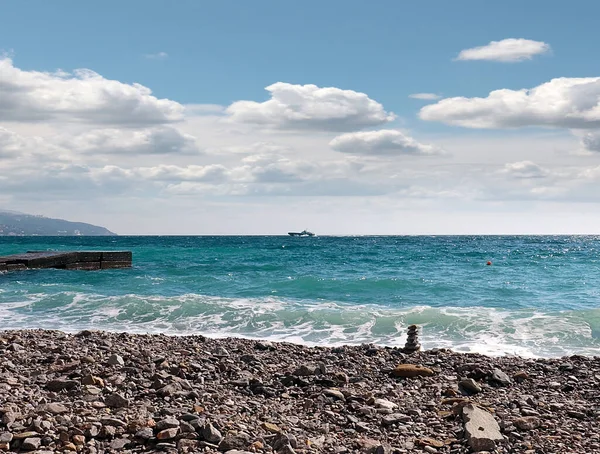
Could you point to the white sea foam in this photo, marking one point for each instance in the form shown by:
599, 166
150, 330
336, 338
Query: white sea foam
466, 329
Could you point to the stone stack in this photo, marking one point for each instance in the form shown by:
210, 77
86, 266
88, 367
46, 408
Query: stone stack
412, 341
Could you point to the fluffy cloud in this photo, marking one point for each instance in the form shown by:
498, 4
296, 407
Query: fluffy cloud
273, 168
11, 143
84, 96
214, 173
525, 170
158, 140
507, 50
385, 142
425, 96
591, 142
308, 107
563, 103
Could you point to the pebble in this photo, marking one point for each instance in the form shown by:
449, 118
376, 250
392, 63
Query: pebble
411, 371
167, 434
115, 360
31, 443
470, 386
211, 434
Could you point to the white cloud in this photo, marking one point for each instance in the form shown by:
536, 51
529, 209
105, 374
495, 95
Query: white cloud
158, 140
203, 109
425, 96
157, 56
525, 170
308, 107
385, 142
255, 148
506, 50
11, 143
562, 103
81, 97
214, 173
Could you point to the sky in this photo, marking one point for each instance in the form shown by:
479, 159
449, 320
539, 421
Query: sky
340, 117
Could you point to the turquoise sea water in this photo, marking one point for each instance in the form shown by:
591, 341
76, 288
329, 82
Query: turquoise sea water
541, 296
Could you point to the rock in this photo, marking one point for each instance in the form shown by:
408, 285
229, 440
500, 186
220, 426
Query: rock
24, 435
119, 443
521, 375
211, 434
500, 378
6, 437
470, 386
115, 400
115, 360
383, 403
54, 408
31, 444
272, 428
395, 418
221, 352
145, 434
481, 429
168, 434
527, 423
185, 445
286, 449
9, 417
113, 422
304, 371
265, 345
411, 371
430, 442
167, 423
92, 431
70, 447
186, 427
576, 414
62, 385
79, 440
108, 431
335, 393
234, 440
92, 380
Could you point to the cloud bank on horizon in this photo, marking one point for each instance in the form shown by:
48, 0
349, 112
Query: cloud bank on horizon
69, 137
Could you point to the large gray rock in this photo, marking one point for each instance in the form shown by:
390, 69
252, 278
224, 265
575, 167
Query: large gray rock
500, 378
54, 408
115, 400
481, 429
211, 434
31, 444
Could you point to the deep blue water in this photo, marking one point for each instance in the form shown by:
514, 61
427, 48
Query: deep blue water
540, 297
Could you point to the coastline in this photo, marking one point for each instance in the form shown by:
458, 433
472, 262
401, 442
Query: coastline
96, 391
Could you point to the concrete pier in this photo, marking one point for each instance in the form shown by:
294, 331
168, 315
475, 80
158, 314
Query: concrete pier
69, 260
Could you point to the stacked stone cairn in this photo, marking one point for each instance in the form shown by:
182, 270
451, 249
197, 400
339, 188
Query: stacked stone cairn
412, 341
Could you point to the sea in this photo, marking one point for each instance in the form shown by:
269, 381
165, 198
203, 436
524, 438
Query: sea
539, 297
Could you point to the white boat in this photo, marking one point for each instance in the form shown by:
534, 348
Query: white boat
303, 233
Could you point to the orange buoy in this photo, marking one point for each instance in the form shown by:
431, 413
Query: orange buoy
488, 263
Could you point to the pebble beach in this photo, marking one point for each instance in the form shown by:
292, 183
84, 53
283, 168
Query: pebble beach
100, 392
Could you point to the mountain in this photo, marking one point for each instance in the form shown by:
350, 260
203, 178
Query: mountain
13, 223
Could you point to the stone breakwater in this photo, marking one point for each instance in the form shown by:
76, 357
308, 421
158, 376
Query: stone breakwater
98, 392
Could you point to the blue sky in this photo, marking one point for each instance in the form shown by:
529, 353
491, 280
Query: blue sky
218, 53
227, 50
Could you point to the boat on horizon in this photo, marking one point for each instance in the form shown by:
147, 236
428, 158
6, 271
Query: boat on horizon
303, 233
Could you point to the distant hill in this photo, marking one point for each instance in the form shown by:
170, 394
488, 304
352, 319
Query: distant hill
13, 223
